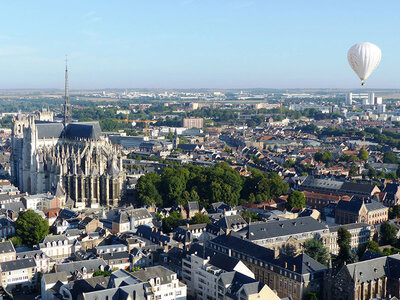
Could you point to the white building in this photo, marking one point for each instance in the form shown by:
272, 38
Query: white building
361, 233
48, 281
58, 246
349, 99
201, 274
20, 272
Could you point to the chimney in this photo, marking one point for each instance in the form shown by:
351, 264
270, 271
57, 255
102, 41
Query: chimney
187, 225
294, 268
228, 231
285, 265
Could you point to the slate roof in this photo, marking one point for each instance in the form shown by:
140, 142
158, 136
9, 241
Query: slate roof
94, 284
224, 262
311, 181
90, 265
374, 205
270, 229
391, 188
236, 281
54, 277
131, 292
187, 147
137, 214
304, 264
14, 206
49, 130
86, 130
368, 270
229, 222
6, 247
193, 205
31, 254
349, 226
357, 187
67, 214
144, 275
115, 255
349, 206
17, 264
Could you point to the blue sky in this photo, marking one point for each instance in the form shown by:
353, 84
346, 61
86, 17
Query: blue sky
195, 43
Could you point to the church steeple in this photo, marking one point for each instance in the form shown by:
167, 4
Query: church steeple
67, 105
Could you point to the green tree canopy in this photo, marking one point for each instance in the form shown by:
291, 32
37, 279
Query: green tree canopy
247, 215
200, 218
363, 154
325, 156
344, 240
296, 199
315, 249
171, 222
390, 158
388, 234
31, 227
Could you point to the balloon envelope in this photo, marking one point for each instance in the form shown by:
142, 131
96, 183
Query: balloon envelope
364, 58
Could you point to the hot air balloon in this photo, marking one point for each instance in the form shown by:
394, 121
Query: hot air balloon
364, 58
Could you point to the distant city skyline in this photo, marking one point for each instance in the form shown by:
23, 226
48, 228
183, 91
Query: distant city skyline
194, 44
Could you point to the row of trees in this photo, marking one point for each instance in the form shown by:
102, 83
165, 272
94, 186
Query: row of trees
219, 183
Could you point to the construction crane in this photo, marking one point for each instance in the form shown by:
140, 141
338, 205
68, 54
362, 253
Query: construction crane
146, 122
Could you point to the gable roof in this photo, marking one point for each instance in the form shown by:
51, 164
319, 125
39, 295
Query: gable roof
265, 230
6, 247
90, 265
17, 264
161, 272
86, 130
47, 130
229, 222
304, 264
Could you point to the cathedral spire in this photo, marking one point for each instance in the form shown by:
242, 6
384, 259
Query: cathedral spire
67, 105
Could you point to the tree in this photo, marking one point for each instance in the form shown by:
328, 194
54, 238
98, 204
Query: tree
311, 296
373, 246
101, 273
318, 156
290, 163
344, 240
327, 156
247, 215
296, 199
388, 234
200, 218
31, 228
16, 240
363, 154
315, 249
172, 221
353, 170
390, 158
394, 212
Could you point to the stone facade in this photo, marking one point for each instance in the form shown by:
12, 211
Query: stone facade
76, 158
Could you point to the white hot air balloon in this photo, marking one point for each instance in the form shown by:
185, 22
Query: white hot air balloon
364, 58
